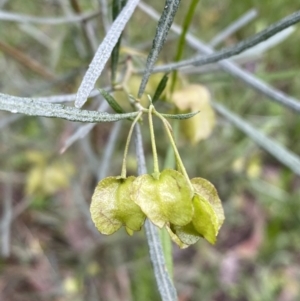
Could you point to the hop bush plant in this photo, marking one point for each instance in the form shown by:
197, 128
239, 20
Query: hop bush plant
189, 209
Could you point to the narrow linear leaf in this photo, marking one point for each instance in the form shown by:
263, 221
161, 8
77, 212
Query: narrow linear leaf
228, 52
162, 30
115, 60
112, 102
181, 116
181, 43
103, 53
117, 6
160, 88
235, 71
278, 151
31, 107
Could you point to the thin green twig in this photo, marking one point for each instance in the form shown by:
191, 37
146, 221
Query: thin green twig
164, 283
181, 43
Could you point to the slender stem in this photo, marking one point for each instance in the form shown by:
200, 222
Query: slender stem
181, 43
164, 283
123, 173
167, 249
109, 150
177, 155
154, 151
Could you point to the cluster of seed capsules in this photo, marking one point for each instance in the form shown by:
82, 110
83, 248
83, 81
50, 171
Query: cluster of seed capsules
188, 209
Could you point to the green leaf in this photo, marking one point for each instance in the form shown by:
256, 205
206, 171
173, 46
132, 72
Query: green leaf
112, 102
162, 30
116, 8
112, 207
160, 88
164, 198
208, 191
32, 107
181, 116
181, 43
103, 53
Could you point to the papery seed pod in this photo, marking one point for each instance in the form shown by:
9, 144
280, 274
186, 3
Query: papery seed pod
203, 224
164, 198
112, 207
207, 219
208, 191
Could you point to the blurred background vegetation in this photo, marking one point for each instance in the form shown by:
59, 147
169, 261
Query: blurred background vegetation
51, 250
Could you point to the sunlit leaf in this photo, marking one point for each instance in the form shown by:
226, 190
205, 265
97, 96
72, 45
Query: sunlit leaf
112, 206
195, 98
166, 198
